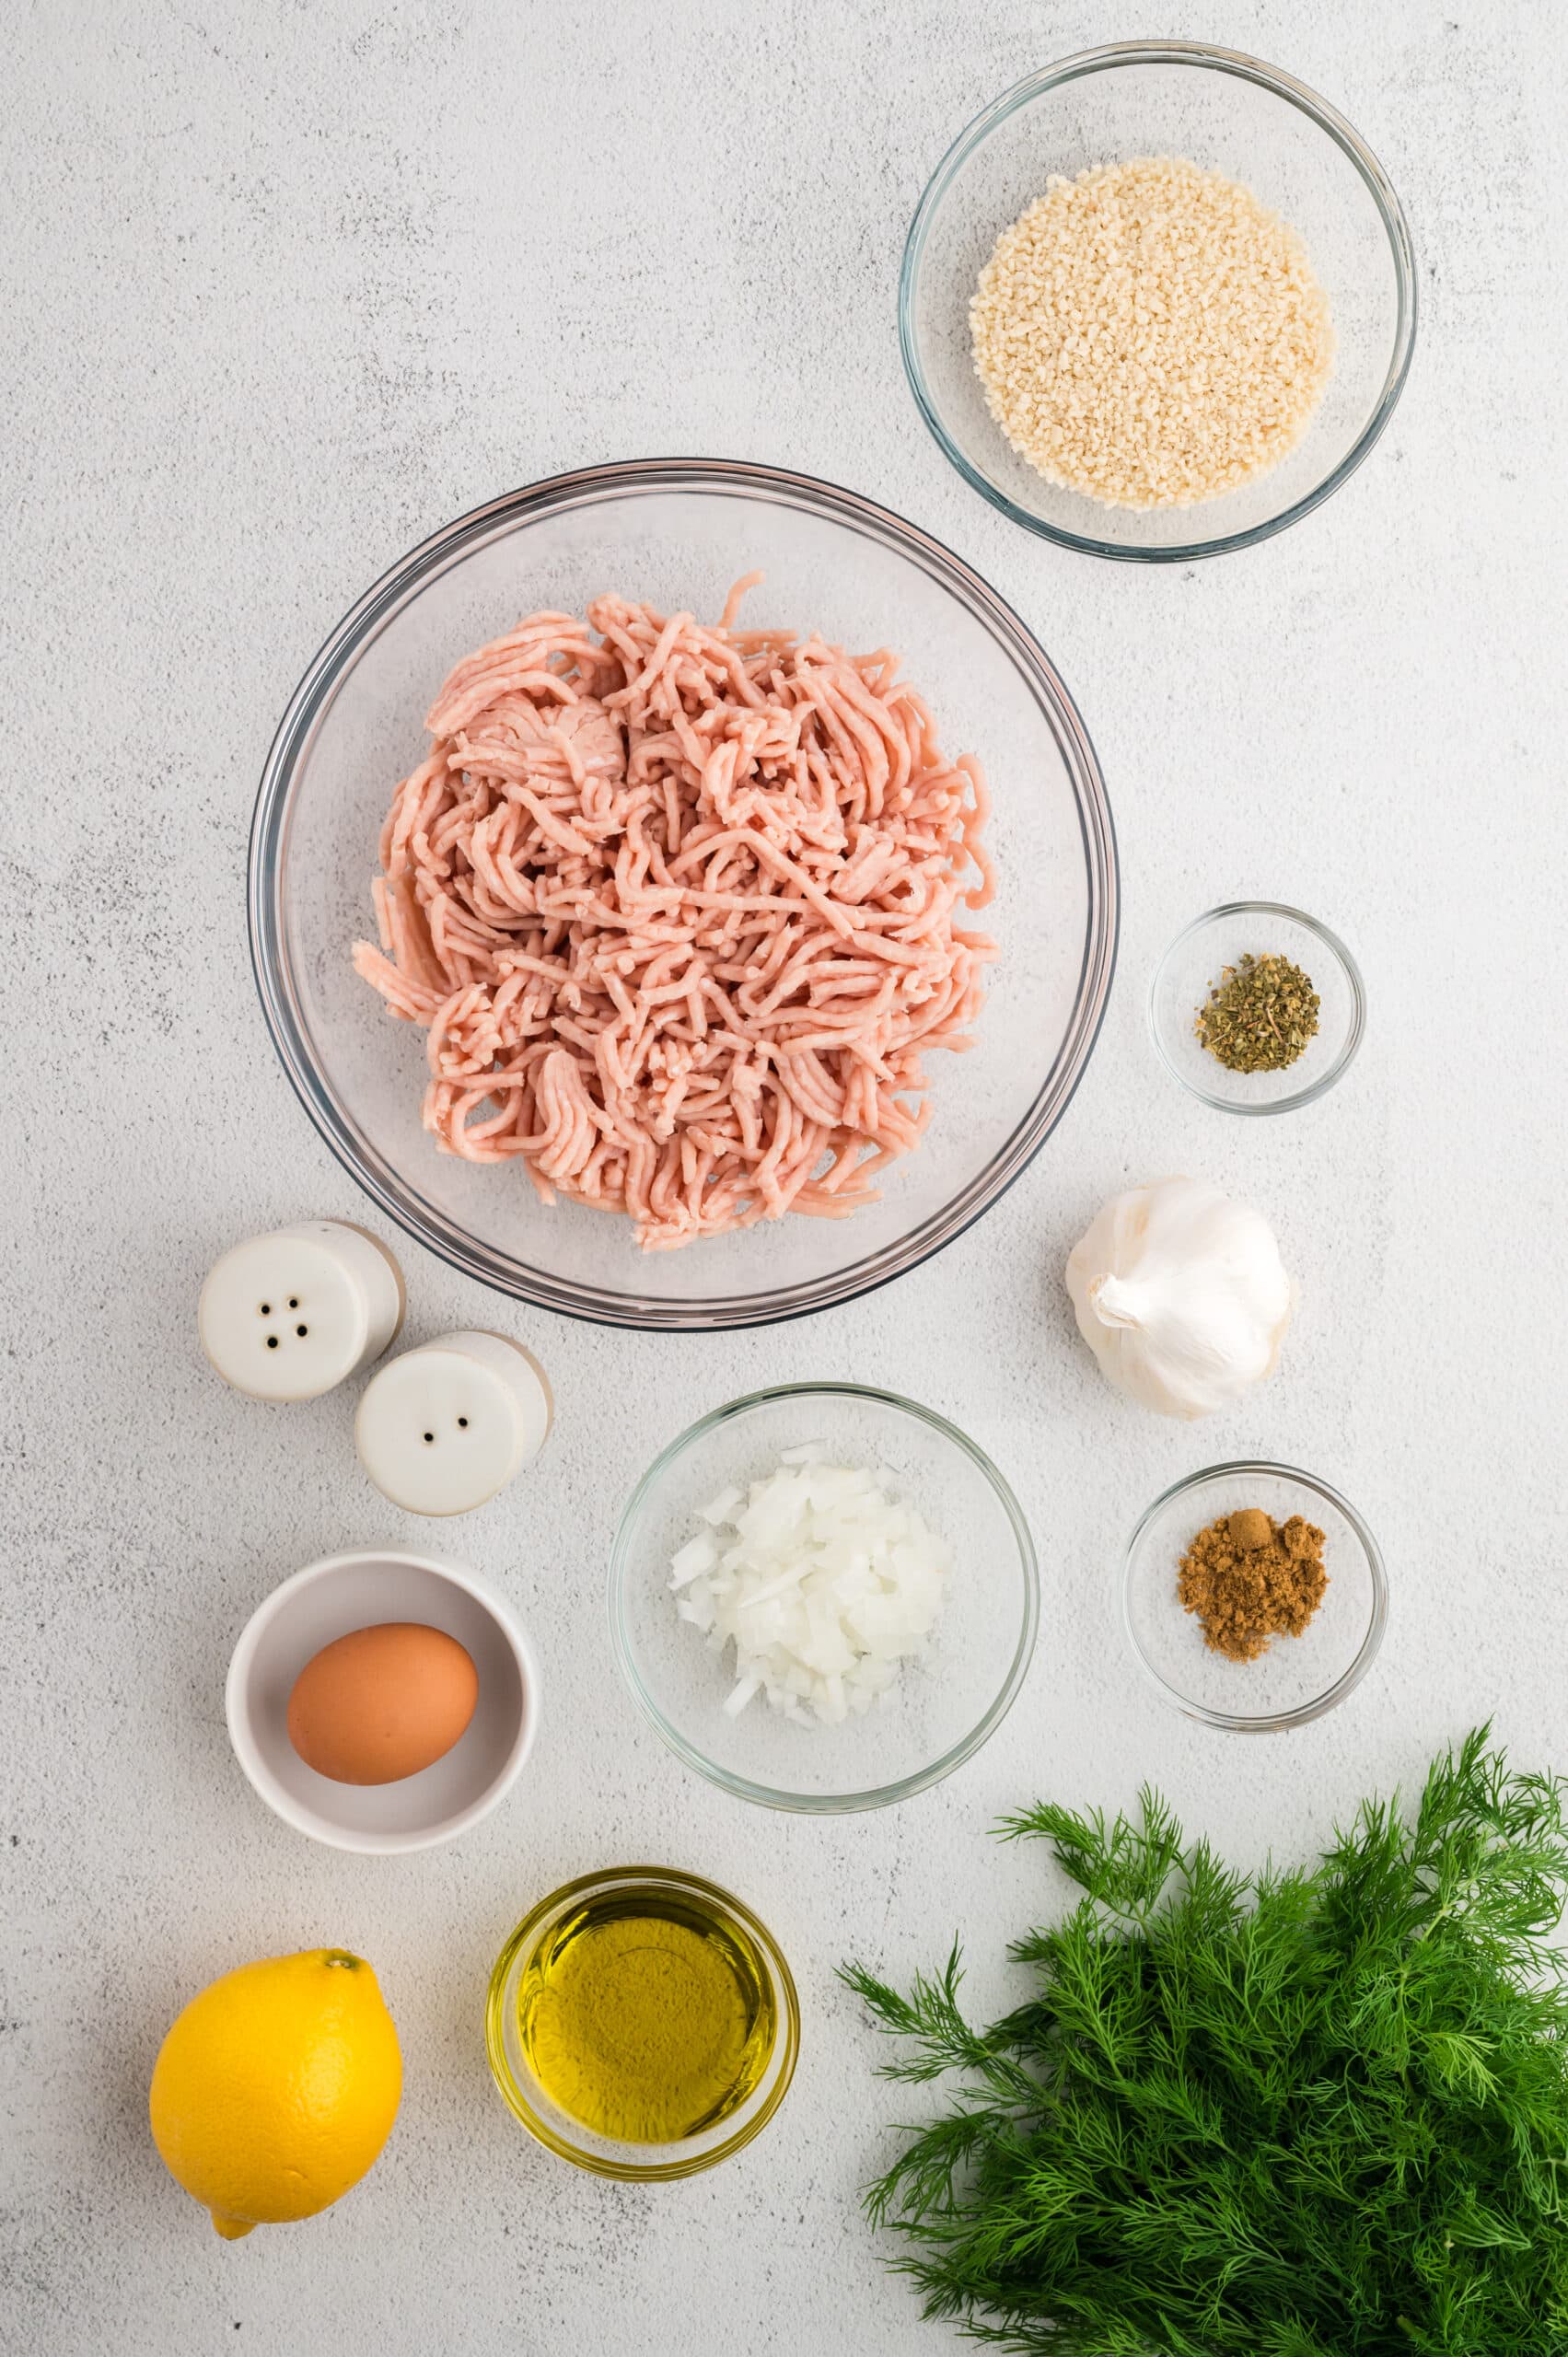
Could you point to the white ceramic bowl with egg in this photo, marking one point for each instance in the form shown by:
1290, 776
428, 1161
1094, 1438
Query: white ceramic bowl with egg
333, 1598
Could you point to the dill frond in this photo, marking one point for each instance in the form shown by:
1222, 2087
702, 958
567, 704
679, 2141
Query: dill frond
1321, 2113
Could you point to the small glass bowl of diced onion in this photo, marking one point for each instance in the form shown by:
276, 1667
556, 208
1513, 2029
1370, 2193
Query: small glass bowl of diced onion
823, 1598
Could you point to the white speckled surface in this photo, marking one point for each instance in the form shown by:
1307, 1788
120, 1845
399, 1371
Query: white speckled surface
290, 287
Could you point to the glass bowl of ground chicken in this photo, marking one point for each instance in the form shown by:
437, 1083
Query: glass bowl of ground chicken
1254, 1597
683, 895
1158, 301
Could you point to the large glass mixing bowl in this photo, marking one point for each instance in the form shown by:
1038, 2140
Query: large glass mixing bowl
678, 531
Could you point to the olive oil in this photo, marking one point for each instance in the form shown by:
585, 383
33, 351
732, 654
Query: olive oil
647, 2014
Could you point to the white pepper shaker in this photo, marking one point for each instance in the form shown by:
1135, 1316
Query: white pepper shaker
292, 1315
444, 1427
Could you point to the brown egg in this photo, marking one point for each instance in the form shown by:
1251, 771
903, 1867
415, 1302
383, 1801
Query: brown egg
382, 1703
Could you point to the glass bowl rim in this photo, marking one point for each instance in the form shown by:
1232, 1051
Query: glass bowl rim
279, 994
1265, 1721
1205, 56
788, 2034
1354, 1036
871, 1796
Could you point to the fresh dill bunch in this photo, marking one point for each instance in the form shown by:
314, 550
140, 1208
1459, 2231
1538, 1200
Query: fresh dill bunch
1321, 2114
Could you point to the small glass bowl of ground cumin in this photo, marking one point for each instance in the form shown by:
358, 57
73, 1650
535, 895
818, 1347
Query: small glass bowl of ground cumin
1257, 1007
1254, 1597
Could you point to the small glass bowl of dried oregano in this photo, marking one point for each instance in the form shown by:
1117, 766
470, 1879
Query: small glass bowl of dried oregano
1254, 1597
1257, 1007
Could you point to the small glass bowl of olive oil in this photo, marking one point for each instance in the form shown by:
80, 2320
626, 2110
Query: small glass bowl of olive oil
641, 2023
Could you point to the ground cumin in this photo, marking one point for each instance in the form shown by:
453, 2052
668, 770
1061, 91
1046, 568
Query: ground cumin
1249, 1578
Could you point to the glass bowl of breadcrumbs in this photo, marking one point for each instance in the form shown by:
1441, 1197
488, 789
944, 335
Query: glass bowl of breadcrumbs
1157, 301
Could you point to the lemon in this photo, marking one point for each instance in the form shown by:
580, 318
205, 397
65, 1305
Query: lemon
277, 2087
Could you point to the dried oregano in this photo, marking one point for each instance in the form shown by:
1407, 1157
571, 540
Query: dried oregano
1260, 1015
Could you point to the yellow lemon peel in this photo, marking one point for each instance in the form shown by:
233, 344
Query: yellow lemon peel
276, 2088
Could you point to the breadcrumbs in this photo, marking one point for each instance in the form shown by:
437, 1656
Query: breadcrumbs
1150, 334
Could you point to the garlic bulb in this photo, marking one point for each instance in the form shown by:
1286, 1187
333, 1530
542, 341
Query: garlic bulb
1182, 1295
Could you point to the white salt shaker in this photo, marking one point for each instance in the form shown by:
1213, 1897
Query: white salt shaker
292, 1315
444, 1427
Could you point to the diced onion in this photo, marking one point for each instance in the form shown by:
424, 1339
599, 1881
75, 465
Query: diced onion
698, 1555
821, 1580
